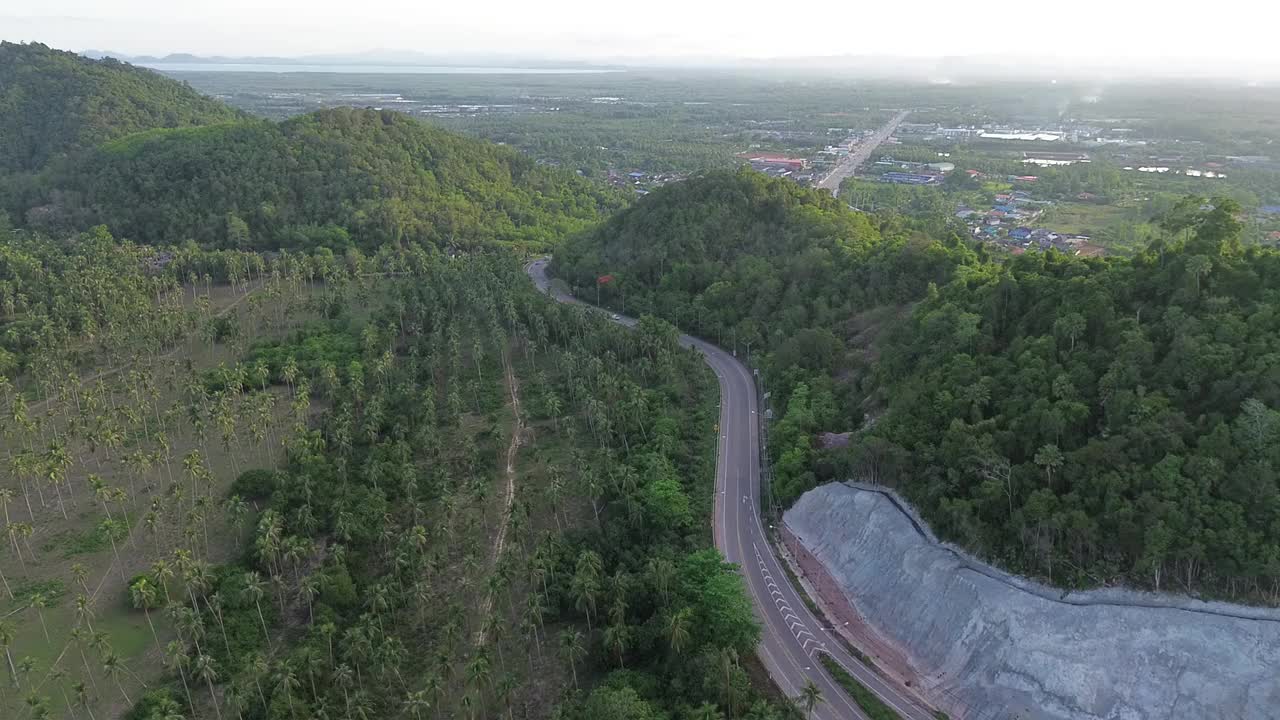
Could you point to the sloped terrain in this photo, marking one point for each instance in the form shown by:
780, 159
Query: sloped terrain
54, 102
991, 644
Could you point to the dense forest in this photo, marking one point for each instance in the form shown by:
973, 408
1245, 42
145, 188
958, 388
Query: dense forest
89, 142
1087, 421
1092, 420
771, 269
331, 179
54, 103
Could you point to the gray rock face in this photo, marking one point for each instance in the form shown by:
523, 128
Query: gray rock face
989, 645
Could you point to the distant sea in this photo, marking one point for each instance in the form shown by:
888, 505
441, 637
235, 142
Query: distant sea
375, 69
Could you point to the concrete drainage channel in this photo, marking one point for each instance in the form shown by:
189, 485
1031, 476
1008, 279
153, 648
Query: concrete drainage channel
982, 644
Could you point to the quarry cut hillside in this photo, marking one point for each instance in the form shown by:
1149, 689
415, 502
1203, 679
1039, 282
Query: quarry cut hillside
984, 644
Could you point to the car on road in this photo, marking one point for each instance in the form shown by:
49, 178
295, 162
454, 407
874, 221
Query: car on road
616, 316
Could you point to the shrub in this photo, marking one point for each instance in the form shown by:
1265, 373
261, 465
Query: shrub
256, 484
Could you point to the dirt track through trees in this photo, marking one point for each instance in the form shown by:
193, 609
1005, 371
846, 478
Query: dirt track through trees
517, 430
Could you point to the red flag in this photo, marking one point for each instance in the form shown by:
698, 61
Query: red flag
604, 279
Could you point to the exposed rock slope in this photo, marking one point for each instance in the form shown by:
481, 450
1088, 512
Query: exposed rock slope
991, 643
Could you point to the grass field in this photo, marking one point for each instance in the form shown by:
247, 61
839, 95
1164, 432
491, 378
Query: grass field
1083, 218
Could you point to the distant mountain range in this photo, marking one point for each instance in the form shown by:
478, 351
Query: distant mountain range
969, 68
369, 57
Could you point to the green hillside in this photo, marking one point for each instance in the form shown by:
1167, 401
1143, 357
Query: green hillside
763, 256
54, 102
1088, 420
1083, 420
334, 178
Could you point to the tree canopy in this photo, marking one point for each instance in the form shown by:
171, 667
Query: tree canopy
335, 178
1088, 421
54, 103
1094, 420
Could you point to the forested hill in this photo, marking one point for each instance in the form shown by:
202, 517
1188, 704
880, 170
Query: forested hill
763, 256
54, 102
333, 178
1089, 421
1096, 420
85, 142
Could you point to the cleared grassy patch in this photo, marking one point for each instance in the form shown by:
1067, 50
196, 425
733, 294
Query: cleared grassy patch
1083, 218
59, 546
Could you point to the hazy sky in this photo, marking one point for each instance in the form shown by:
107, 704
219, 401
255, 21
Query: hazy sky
1243, 29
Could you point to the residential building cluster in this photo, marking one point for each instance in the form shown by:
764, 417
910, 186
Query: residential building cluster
1010, 223
640, 181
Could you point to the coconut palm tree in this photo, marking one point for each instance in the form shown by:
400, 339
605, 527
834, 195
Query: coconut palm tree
571, 647
6, 641
39, 602
176, 657
111, 528
205, 670
677, 628
84, 611
6, 496
162, 573
286, 681
253, 590
435, 688
310, 661
143, 593
616, 638
810, 696
82, 698
343, 678
415, 702
56, 676
662, 571
706, 711
115, 668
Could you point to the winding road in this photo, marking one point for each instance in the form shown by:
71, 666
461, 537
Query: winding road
791, 636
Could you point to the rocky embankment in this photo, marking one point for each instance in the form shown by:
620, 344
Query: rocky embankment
983, 644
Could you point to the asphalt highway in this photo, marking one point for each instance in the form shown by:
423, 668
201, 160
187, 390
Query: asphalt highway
791, 635
850, 164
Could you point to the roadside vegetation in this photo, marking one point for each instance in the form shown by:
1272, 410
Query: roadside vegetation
873, 706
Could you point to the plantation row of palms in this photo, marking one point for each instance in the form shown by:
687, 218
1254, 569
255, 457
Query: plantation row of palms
115, 444
348, 572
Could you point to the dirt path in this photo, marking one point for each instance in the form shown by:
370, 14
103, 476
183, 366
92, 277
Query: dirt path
517, 430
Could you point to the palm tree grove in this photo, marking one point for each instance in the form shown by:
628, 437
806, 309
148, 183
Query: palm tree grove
334, 473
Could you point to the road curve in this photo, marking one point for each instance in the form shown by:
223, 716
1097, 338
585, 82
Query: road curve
791, 635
